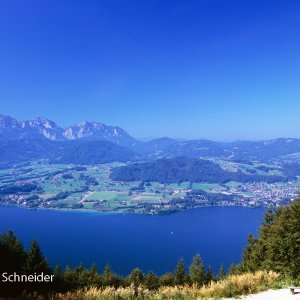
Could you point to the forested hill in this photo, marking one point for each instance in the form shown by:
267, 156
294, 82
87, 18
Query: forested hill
92, 152
67, 152
184, 169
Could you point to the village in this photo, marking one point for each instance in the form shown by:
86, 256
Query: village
86, 190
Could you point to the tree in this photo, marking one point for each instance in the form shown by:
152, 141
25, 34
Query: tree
232, 269
81, 276
209, 276
12, 259
222, 272
59, 280
250, 255
69, 278
36, 262
152, 281
107, 275
179, 273
94, 278
136, 277
58, 273
110, 278
167, 279
197, 271
277, 247
12, 253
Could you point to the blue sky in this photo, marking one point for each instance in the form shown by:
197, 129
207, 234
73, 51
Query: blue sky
217, 69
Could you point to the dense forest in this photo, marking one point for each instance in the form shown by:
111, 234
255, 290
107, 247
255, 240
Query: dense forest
185, 169
13, 189
91, 153
277, 248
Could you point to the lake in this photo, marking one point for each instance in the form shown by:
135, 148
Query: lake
126, 241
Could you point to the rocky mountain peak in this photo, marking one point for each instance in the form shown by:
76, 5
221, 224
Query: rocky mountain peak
12, 129
7, 122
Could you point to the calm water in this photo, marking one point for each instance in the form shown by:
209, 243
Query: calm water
126, 241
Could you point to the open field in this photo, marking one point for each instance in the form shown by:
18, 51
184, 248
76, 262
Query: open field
90, 187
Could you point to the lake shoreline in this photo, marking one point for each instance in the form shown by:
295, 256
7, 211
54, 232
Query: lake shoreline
122, 213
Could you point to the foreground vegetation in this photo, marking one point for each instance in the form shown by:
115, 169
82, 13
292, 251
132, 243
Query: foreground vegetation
234, 285
270, 260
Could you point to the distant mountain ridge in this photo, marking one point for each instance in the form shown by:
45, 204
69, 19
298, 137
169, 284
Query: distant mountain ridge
10, 128
42, 138
233, 151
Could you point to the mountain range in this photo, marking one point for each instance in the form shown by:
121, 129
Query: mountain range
238, 151
10, 128
95, 142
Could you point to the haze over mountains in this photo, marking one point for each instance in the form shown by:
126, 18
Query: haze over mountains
10, 128
95, 142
